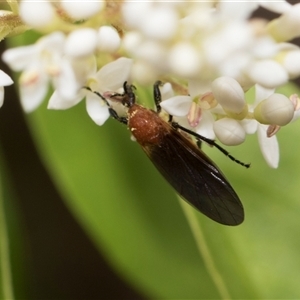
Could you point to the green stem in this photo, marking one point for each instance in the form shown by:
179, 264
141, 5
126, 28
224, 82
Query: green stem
204, 251
6, 276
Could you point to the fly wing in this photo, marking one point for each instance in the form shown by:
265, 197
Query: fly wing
196, 178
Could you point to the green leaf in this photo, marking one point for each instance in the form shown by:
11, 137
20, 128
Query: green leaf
133, 215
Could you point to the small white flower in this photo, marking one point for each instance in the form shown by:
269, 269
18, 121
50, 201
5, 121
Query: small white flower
112, 76
201, 120
109, 78
40, 63
73, 76
46, 62
268, 145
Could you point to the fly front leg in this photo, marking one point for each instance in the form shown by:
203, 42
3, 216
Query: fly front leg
115, 115
157, 95
112, 112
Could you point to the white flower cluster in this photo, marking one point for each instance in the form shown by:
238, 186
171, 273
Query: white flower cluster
221, 54
67, 61
214, 47
53, 59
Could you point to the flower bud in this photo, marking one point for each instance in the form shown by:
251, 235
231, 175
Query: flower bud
268, 73
108, 39
30, 13
81, 42
230, 95
82, 9
159, 24
276, 109
291, 63
229, 132
184, 60
287, 26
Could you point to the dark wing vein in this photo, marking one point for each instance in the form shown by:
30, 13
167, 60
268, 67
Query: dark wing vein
196, 178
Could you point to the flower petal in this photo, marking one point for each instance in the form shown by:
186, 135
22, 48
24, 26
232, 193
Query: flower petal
32, 96
5, 79
1, 95
66, 83
236, 10
177, 106
205, 127
262, 93
268, 146
278, 6
96, 108
166, 91
19, 58
198, 87
112, 76
58, 102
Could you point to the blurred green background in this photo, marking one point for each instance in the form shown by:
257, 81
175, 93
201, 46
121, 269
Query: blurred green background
89, 217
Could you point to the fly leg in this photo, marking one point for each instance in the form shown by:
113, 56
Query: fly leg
112, 112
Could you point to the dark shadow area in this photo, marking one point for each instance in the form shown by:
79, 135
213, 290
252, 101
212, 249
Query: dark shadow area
60, 260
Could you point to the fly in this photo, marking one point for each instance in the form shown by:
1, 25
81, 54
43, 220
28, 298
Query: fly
193, 175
